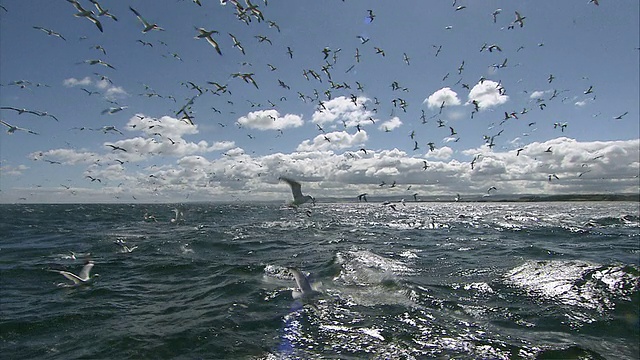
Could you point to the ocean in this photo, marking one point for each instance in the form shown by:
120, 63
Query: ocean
549, 280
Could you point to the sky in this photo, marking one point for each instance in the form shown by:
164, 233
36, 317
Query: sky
388, 98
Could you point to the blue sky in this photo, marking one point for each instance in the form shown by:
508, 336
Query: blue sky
340, 136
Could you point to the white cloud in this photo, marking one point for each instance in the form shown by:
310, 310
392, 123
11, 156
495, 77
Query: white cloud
9, 170
167, 126
390, 124
71, 82
223, 145
343, 109
270, 120
66, 156
446, 95
115, 92
487, 94
109, 91
334, 140
538, 94
442, 153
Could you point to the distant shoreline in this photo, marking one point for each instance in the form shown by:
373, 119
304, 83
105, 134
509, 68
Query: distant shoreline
507, 198
496, 198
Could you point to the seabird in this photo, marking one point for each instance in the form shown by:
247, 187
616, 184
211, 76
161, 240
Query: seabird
519, 19
13, 128
619, 117
179, 216
50, 32
207, 35
101, 11
80, 279
298, 198
147, 26
304, 287
363, 197
86, 13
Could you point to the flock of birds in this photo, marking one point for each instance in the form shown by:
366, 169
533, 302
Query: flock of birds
304, 289
324, 75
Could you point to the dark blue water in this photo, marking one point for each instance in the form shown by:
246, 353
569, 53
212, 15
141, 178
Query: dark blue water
430, 280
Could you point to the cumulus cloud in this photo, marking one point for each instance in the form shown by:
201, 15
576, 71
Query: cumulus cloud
66, 156
538, 94
446, 95
72, 82
166, 126
270, 120
223, 145
334, 140
390, 124
12, 170
442, 153
109, 91
343, 109
488, 94
115, 92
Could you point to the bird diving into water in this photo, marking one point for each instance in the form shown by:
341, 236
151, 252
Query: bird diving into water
304, 287
296, 189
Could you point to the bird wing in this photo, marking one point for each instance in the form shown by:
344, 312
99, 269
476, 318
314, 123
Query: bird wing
296, 188
84, 273
144, 22
301, 281
71, 276
213, 43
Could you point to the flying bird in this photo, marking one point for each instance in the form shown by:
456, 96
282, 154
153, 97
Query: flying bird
147, 26
80, 279
619, 117
296, 189
362, 197
495, 14
13, 128
113, 110
405, 57
101, 11
114, 147
236, 43
99, 62
86, 14
362, 39
50, 32
206, 34
93, 178
519, 19
371, 16
247, 77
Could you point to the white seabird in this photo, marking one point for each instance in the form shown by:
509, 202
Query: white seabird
80, 279
304, 287
179, 216
296, 189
